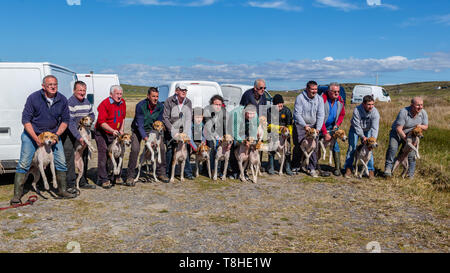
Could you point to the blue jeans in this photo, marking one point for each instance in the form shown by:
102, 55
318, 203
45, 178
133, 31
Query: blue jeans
352, 143
28, 148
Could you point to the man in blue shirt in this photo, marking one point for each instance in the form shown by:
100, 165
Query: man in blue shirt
45, 110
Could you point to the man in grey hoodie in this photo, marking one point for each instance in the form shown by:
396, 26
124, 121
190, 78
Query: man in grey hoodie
308, 113
364, 124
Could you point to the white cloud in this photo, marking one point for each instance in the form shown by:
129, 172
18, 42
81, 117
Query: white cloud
282, 5
374, 2
339, 4
73, 2
279, 72
198, 3
434, 19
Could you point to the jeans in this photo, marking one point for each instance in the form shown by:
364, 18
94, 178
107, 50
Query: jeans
28, 148
352, 143
394, 143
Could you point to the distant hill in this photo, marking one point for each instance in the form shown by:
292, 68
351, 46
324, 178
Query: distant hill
415, 88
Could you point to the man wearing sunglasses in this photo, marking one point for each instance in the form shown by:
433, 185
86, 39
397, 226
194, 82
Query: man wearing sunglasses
334, 115
255, 96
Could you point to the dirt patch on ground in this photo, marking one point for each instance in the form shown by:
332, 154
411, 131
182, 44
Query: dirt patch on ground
289, 214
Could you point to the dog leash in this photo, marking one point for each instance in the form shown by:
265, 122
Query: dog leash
30, 201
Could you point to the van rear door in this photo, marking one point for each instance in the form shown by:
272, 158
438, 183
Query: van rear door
232, 96
200, 93
359, 92
102, 85
17, 84
66, 78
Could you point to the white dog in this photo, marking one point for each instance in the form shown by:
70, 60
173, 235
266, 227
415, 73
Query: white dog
43, 156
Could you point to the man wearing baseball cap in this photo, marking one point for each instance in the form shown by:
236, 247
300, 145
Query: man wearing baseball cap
177, 118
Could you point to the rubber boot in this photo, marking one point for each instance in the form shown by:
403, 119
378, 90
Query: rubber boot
337, 162
19, 182
271, 169
62, 185
288, 167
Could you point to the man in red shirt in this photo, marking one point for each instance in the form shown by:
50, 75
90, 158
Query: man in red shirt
111, 117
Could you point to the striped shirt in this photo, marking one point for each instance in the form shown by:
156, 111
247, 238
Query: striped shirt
77, 111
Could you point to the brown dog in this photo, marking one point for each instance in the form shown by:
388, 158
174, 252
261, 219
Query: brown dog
180, 154
85, 132
201, 156
242, 155
223, 153
338, 135
363, 155
412, 144
308, 145
116, 150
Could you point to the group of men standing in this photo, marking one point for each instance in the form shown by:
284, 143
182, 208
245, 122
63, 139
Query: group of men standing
48, 110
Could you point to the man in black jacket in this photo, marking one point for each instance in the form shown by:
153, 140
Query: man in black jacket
285, 119
256, 97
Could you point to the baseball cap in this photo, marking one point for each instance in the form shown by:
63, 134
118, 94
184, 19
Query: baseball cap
181, 86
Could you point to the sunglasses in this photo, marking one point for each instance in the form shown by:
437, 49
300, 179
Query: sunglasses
259, 88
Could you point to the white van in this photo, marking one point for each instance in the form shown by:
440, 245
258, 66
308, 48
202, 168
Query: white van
19, 80
232, 94
98, 87
378, 93
200, 92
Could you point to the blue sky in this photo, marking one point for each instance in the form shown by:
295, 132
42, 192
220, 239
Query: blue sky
286, 42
